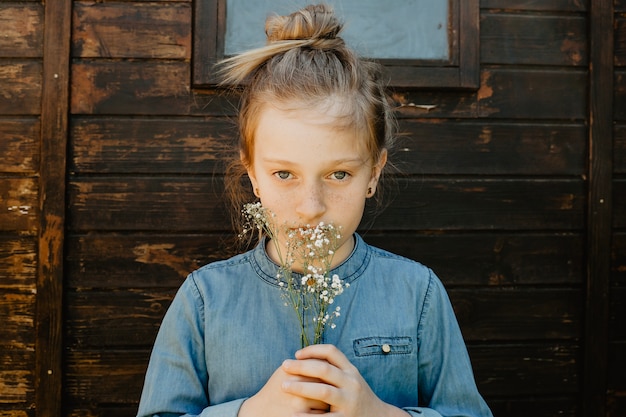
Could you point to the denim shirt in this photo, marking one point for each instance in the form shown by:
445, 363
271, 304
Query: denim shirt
228, 329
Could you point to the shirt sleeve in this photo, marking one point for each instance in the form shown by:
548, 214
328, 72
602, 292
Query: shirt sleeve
176, 380
447, 386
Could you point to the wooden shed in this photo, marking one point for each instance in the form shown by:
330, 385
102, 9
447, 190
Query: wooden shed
513, 189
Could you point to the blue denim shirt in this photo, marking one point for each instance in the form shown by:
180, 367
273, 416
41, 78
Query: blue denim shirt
228, 330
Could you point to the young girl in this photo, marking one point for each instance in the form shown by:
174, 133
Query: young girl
315, 128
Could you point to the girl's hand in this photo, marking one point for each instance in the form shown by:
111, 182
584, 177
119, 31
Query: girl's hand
273, 401
335, 381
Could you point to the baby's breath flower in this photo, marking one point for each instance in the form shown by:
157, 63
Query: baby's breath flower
313, 247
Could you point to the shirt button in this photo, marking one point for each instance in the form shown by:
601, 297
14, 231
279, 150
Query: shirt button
386, 348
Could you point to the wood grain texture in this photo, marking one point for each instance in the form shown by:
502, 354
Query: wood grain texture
19, 146
20, 26
21, 87
19, 206
530, 39
152, 30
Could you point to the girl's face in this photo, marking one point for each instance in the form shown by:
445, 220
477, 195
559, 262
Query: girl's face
306, 170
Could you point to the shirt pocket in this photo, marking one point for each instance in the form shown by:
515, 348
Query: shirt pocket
372, 346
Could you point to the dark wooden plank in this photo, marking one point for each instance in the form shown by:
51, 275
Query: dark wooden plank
115, 261
536, 5
619, 203
619, 98
536, 406
21, 87
526, 370
18, 263
620, 41
492, 259
617, 313
22, 30
197, 204
54, 114
119, 319
533, 94
132, 30
19, 146
529, 39
518, 314
110, 376
599, 207
616, 387
453, 147
619, 149
164, 145
18, 199
618, 259
17, 315
16, 376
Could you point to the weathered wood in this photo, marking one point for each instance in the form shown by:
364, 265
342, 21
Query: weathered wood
19, 205
20, 26
619, 149
518, 314
619, 203
54, 115
21, 87
620, 41
18, 263
526, 370
452, 147
536, 5
19, 146
492, 259
185, 145
115, 261
119, 319
105, 376
425, 146
536, 406
197, 205
618, 259
533, 94
533, 40
16, 376
599, 207
17, 309
132, 30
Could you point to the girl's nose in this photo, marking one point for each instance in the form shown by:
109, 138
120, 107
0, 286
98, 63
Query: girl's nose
311, 204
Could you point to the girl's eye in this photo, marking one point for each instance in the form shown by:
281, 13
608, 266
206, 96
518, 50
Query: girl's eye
283, 175
340, 175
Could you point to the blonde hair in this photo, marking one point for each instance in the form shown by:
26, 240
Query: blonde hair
305, 63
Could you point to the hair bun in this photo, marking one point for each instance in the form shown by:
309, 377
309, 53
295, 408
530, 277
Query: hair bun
315, 24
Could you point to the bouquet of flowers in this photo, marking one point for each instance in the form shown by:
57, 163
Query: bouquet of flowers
312, 249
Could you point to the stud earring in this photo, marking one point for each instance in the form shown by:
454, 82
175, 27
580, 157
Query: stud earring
369, 192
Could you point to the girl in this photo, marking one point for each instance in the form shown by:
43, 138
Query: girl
315, 130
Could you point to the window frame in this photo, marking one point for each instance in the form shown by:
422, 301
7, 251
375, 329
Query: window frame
460, 71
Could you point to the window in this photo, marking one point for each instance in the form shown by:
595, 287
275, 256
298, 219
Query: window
423, 43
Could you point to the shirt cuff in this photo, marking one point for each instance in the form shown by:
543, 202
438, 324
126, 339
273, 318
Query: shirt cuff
227, 409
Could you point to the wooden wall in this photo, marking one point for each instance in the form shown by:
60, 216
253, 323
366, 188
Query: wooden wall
110, 194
